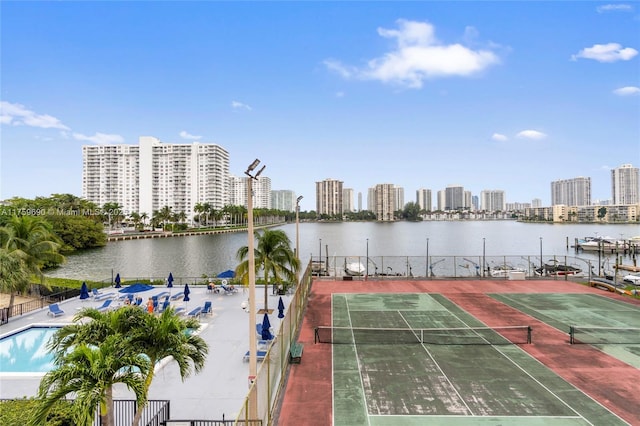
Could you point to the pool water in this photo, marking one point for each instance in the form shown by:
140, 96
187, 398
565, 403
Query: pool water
26, 351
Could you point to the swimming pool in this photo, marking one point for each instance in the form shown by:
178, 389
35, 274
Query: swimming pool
25, 351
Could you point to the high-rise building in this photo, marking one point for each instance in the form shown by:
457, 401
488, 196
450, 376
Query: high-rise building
371, 199
283, 199
153, 175
423, 199
399, 198
536, 203
261, 192
625, 185
347, 199
359, 201
571, 192
385, 202
329, 197
492, 200
454, 197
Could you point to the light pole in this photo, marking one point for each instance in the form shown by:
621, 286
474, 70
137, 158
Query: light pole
483, 256
426, 265
320, 253
253, 360
541, 262
297, 231
367, 273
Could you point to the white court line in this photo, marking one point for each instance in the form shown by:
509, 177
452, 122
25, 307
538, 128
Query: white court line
530, 376
355, 349
439, 368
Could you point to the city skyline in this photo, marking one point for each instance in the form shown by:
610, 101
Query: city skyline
418, 94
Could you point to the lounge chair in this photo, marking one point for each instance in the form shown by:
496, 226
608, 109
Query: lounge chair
260, 355
177, 296
195, 313
165, 305
160, 295
54, 310
229, 289
206, 309
103, 296
179, 311
105, 305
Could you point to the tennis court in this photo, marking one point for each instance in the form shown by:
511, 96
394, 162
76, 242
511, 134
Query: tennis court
380, 377
457, 353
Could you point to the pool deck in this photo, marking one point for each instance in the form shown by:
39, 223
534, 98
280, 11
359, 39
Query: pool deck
217, 392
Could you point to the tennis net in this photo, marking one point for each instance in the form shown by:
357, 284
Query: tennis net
604, 335
507, 335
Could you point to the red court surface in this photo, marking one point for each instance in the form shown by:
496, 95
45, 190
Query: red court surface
307, 396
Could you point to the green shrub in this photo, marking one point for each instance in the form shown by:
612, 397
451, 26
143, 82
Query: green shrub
15, 412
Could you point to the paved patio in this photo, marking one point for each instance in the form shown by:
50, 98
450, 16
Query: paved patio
218, 390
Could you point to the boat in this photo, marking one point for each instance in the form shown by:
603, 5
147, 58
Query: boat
504, 271
601, 244
558, 270
354, 268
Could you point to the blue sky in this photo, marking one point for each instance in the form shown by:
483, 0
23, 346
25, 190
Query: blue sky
487, 95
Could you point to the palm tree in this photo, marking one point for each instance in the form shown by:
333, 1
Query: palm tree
90, 372
14, 278
273, 255
155, 337
166, 335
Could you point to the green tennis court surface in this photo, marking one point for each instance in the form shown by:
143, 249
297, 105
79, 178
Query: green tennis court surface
404, 382
608, 324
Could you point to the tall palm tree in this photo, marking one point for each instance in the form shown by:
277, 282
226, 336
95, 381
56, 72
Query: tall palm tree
273, 255
90, 372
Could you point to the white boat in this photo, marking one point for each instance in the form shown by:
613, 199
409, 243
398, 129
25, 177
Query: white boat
354, 269
504, 271
601, 244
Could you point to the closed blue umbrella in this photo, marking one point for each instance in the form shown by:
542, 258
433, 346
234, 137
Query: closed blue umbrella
84, 291
117, 280
266, 325
186, 292
280, 308
170, 280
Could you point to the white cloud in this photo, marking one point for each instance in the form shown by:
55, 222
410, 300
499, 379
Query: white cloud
418, 56
185, 135
627, 91
19, 115
531, 134
239, 105
614, 8
610, 52
99, 138
499, 137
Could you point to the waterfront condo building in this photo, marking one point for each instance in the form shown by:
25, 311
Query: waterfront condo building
347, 200
423, 199
385, 202
625, 185
571, 192
153, 175
261, 192
329, 197
455, 198
492, 200
283, 199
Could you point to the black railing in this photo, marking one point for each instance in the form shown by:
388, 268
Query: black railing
212, 422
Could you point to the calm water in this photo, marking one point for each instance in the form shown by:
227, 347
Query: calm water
210, 254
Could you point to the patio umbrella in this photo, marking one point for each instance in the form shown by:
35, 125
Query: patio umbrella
186, 292
266, 325
84, 291
117, 280
136, 288
226, 274
170, 280
280, 308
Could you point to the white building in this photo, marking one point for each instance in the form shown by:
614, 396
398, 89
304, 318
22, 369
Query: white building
423, 199
571, 192
261, 192
385, 202
283, 199
347, 200
492, 200
153, 175
625, 185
